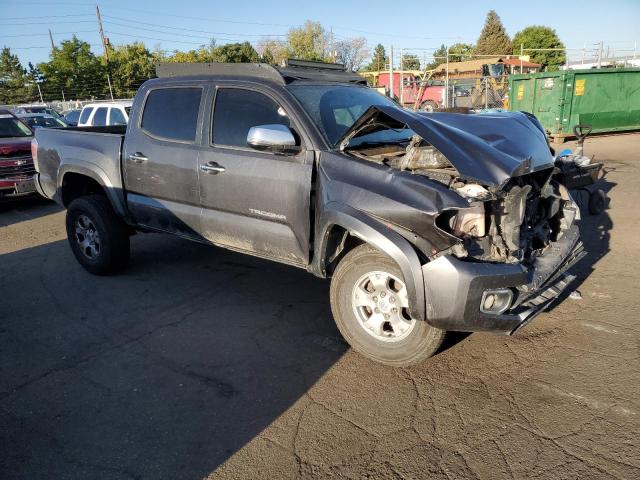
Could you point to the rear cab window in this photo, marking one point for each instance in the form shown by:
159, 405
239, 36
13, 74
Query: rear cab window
116, 117
172, 113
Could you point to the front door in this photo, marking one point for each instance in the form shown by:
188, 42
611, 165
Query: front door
161, 161
254, 201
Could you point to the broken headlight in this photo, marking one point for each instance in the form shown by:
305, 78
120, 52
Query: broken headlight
464, 222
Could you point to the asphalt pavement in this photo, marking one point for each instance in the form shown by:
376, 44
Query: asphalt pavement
198, 362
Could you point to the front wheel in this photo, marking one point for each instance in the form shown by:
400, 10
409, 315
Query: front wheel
98, 237
371, 308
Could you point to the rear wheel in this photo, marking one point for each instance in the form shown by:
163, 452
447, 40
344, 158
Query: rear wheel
428, 106
371, 308
99, 239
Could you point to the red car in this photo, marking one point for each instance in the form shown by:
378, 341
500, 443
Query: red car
16, 163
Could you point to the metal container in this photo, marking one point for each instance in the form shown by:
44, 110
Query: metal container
606, 99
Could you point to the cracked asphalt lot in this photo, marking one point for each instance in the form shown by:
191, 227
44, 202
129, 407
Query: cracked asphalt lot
197, 362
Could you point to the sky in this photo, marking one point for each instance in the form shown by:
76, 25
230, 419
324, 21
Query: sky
415, 26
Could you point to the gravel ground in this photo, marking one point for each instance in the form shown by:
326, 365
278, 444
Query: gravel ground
197, 362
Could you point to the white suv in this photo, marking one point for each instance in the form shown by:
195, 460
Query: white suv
105, 113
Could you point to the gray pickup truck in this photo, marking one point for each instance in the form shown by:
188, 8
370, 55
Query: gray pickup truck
425, 222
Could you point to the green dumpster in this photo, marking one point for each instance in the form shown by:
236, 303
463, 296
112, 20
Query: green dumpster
606, 99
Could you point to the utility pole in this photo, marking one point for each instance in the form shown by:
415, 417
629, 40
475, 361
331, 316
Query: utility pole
391, 71
53, 45
401, 77
521, 55
600, 46
106, 49
40, 92
446, 83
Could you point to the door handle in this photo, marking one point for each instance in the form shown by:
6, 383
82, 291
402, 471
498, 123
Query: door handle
212, 168
138, 158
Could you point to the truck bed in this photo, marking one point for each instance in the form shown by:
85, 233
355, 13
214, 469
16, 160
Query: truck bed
93, 151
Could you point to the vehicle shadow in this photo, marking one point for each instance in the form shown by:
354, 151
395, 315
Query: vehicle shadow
164, 371
595, 234
25, 208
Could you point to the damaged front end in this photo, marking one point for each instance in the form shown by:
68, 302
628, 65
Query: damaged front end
516, 238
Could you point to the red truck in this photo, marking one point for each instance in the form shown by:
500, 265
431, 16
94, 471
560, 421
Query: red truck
16, 163
432, 96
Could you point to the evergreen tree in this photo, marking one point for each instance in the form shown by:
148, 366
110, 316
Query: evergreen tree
13, 78
379, 59
410, 62
493, 39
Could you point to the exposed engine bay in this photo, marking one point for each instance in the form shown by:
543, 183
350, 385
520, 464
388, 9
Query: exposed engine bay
511, 223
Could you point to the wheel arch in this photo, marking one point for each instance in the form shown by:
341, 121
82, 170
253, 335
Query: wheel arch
77, 181
343, 228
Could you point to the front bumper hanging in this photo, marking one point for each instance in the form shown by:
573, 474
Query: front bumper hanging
456, 289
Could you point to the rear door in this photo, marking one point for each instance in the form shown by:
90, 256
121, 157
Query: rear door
161, 160
259, 201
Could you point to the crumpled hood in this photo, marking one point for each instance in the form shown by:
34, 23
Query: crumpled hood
488, 148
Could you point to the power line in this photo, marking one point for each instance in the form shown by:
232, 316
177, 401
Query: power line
111, 32
205, 19
46, 34
57, 22
49, 16
188, 29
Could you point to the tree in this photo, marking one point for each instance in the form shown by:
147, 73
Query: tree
439, 57
352, 53
493, 39
308, 42
13, 78
130, 65
74, 69
458, 52
410, 62
235, 53
538, 36
272, 51
379, 59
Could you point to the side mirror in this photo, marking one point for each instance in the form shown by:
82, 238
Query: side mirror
275, 138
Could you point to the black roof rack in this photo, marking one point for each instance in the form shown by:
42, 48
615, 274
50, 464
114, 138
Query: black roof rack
294, 70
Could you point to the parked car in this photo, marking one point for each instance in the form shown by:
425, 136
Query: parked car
16, 164
39, 120
425, 222
71, 117
25, 109
104, 114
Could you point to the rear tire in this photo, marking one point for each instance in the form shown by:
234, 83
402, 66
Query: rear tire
366, 289
428, 106
99, 239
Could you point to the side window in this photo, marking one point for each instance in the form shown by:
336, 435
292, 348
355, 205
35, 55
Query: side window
117, 117
86, 113
172, 113
100, 117
237, 110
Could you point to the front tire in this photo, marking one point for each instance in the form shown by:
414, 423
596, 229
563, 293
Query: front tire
370, 306
99, 239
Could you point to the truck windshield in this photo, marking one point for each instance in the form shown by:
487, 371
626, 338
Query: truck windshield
12, 127
335, 108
